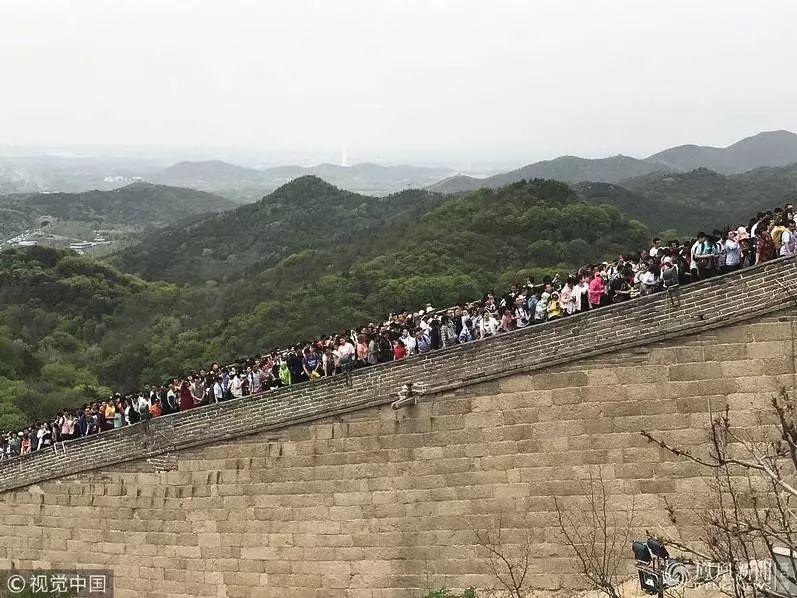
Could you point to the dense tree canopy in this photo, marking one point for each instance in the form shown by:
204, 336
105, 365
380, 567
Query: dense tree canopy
137, 206
700, 199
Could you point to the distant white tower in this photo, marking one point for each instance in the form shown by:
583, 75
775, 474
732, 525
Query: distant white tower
343, 158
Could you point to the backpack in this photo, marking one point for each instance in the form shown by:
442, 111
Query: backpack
447, 335
721, 253
708, 251
426, 343
670, 277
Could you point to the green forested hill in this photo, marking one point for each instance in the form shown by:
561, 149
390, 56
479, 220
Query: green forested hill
311, 215
700, 199
52, 309
12, 220
305, 214
140, 205
71, 327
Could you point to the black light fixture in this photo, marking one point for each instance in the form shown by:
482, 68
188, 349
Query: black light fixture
658, 549
650, 557
641, 552
649, 583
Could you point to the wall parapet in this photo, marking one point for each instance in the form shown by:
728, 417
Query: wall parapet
702, 306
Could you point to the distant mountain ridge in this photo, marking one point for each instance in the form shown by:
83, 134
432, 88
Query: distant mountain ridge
207, 168
251, 183
243, 184
767, 149
771, 148
568, 169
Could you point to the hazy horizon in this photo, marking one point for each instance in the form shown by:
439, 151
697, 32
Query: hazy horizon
435, 82
250, 155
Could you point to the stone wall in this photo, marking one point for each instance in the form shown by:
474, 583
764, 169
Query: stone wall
324, 491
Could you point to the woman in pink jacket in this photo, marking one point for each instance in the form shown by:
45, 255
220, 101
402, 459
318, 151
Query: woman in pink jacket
597, 288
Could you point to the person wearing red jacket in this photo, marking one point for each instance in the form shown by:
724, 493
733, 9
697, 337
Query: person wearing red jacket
597, 290
399, 350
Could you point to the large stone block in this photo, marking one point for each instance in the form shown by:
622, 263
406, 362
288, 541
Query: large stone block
770, 349
558, 380
772, 331
696, 371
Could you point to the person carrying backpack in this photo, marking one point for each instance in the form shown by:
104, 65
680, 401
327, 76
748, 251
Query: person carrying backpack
422, 341
669, 273
448, 334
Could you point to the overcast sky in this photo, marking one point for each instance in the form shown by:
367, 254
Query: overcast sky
413, 81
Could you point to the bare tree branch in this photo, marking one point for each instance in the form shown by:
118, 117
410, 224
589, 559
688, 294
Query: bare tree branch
598, 540
509, 569
751, 492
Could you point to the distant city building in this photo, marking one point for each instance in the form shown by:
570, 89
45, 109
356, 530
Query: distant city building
122, 179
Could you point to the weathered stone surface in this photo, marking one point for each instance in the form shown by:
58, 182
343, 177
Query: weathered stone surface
326, 491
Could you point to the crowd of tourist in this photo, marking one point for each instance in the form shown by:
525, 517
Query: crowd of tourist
665, 265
